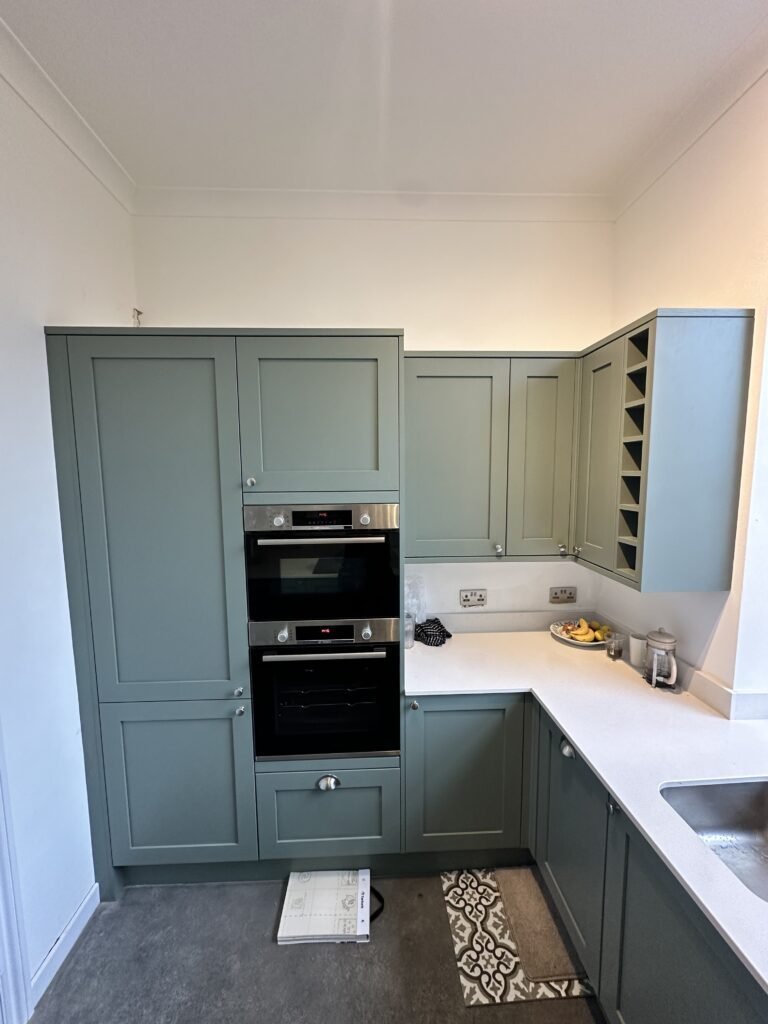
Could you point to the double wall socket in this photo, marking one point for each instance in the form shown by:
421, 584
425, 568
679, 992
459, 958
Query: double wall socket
562, 595
473, 598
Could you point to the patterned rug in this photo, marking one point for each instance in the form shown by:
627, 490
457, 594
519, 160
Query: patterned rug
486, 954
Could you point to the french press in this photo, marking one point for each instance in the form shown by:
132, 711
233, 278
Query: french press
660, 663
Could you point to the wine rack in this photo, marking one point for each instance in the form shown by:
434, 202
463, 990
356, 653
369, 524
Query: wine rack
633, 452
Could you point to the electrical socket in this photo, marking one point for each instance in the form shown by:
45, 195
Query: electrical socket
562, 595
473, 598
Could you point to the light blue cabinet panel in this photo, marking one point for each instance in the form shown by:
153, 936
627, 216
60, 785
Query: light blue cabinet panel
662, 960
158, 458
572, 819
463, 772
456, 420
319, 413
360, 815
598, 467
541, 398
180, 782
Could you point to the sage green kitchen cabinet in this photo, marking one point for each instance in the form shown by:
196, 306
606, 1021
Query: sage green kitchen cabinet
598, 466
662, 961
463, 772
319, 413
456, 422
180, 783
541, 445
571, 826
329, 811
156, 432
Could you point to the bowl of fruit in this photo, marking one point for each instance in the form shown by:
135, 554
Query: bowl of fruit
580, 633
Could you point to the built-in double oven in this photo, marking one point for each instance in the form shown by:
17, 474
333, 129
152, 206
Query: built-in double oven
323, 608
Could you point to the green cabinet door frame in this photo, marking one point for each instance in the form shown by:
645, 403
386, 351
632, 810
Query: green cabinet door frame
319, 414
157, 440
541, 400
464, 772
662, 960
456, 424
571, 826
180, 782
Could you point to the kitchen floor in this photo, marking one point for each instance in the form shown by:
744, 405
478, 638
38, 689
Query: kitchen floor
205, 954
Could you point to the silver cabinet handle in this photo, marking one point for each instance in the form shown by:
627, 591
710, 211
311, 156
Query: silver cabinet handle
286, 540
566, 749
239, 692
251, 481
333, 656
414, 705
498, 549
328, 783
576, 550
613, 807
239, 711
562, 549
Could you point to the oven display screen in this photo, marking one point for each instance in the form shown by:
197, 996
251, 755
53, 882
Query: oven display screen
325, 634
321, 517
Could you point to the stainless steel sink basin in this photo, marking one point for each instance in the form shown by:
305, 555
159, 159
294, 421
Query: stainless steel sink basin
732, 819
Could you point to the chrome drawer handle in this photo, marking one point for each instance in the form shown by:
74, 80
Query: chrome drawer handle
566, 749
239, 711
297, 542
328, 783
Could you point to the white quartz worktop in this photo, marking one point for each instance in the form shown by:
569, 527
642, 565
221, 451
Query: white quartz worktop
636, 740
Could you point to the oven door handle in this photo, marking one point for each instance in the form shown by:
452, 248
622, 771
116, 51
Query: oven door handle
332, 656
273, 542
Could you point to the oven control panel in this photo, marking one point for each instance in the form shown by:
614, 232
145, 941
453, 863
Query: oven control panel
281, 519
311, 633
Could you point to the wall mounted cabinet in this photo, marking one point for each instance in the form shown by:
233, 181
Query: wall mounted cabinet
463, 772
488, 449
319, 413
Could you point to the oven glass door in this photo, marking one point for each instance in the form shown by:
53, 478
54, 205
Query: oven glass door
316, 701
301, 575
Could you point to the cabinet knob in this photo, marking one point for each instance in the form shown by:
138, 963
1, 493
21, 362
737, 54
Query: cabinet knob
498, 549
251, 481
562, 549
239, 711
239, 692
566, 749
328, 783
576, 550
414, 705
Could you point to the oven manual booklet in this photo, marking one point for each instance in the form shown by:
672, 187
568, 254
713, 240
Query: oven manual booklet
326, 906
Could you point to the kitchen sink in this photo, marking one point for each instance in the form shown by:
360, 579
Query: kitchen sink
732, 819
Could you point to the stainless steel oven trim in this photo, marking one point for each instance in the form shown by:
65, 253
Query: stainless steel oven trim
260, 518
330, 656
265, 634
272, 542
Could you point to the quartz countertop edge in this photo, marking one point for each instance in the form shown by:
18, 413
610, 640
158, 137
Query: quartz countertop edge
636, 740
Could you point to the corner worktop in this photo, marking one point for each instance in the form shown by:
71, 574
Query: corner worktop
636, 740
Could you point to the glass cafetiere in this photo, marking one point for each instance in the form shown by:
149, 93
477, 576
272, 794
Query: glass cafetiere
660, 662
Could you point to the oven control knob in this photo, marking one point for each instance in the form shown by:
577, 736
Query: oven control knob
279, 520
365, 519
366, 632
282, 636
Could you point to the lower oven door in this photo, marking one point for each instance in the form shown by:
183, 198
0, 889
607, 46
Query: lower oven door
311, 702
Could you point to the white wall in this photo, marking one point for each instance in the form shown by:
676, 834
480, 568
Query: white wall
65, 258
699, 237
450, 284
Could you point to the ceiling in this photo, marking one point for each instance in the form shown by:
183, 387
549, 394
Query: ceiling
471, 96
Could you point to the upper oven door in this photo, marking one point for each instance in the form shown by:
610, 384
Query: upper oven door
322, 575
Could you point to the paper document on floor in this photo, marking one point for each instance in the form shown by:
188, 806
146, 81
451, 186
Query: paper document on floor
326, 906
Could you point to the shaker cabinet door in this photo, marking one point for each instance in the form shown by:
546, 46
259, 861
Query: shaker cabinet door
319, 414
598, 466
464, 772
158, 459
541, 397
180, 781
456, 419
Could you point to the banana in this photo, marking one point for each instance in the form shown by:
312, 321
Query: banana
582, 630
585, 638
599, 635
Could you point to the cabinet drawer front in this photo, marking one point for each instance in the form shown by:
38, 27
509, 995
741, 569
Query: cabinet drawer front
179, 780
298, 818
319, 413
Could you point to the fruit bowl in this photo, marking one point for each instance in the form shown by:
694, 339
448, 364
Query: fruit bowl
566, 628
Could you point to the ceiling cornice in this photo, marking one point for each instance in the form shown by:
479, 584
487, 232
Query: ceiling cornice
20, 70
743, 69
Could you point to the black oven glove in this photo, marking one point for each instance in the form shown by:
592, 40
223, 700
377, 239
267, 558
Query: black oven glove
432, 633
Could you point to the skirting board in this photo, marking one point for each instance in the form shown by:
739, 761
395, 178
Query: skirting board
58, 953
